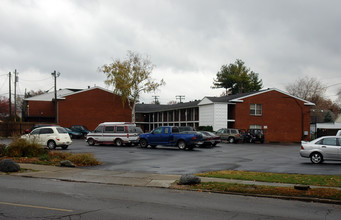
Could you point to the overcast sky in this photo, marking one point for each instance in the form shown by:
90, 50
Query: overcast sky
187, 41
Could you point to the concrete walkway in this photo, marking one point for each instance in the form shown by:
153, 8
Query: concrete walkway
121, 178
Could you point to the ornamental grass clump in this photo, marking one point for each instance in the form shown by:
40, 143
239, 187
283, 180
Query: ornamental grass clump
84, 159
24, 148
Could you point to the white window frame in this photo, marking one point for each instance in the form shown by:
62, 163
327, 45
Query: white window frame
256, 109
256, 127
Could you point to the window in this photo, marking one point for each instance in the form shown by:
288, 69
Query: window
158, 130
120, 129
256, 109
46, 131
175, 130
166, 130
109, 129
255, 126
61, 131
329, 141
99, 129
35, 132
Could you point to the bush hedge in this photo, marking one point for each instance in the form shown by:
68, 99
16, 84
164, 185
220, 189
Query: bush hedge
24, 148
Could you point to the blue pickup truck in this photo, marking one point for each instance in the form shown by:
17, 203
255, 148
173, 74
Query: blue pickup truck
169, 136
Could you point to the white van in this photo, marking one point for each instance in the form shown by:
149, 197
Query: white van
117, 133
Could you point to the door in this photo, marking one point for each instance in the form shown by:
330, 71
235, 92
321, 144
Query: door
155, 137
330, 147
108, 133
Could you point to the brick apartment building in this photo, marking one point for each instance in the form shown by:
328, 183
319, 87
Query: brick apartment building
283, 117
87, 107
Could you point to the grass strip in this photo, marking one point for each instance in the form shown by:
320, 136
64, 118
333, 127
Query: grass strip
320, 193
303, 179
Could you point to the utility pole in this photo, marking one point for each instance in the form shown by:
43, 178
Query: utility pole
10, 95
15, 95
55, 75
180, 97
155, 99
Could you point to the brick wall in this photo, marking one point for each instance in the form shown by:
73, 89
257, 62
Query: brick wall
91, 108
40, 109
282, 116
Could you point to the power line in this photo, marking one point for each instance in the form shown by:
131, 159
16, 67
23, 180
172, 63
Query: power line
34, 80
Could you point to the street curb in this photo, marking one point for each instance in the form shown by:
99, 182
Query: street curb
303, 199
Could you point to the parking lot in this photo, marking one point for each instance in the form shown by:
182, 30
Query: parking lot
280, 158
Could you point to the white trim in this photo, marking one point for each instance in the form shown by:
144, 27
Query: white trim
269, 90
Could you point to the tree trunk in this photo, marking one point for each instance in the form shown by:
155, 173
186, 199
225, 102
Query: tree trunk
133, 113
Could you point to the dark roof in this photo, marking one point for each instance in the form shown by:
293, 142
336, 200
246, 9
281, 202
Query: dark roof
145, 108
231, 97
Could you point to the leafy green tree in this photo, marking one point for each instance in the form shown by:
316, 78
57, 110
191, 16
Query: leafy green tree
130, 77
328, 117
238, 78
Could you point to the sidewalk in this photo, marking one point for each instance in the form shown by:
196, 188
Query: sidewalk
122, 178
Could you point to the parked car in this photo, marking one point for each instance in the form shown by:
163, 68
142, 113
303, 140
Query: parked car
80, 128
323, 148
169, 136
186, 128
50, 136
252, 135
27, 131
214, 139
229, 134
203, 139
118, 133
73, 134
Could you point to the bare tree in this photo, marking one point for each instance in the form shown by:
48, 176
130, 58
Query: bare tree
307, 88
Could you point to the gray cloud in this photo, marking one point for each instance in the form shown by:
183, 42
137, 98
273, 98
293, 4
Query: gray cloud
188, 41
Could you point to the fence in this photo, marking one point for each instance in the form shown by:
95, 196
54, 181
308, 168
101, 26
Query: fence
12, 129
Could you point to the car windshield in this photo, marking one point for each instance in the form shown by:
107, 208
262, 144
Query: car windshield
84, 128
61, 130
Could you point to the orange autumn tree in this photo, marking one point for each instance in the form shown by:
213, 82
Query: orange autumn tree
130, 77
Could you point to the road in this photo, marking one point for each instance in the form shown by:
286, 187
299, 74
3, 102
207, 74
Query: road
27, 198
278, 158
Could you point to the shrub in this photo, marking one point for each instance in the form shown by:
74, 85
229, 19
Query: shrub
205, 128
24, 148
2, 149
84, 159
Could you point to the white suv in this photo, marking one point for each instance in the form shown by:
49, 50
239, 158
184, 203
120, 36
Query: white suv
117, 133
50, 136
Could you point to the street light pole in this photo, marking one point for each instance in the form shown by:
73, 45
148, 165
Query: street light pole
55, 75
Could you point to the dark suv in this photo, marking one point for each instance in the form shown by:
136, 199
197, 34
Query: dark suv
253, 135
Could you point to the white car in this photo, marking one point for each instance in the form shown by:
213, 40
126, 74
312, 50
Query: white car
50, 136
323, 148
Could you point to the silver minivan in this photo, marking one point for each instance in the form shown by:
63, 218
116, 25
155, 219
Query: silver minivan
118, 133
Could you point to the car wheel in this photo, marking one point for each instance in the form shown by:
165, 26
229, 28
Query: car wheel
143, 143
91, 142
316, 158
64, 147
182, 145
118, 142
51, 145
231, 140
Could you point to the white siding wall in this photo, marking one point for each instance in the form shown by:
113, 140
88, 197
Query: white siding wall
213, 115
220, 116
206, 115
